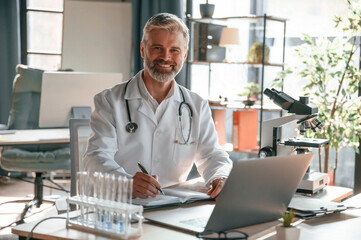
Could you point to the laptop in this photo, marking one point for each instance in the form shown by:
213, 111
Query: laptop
256, 191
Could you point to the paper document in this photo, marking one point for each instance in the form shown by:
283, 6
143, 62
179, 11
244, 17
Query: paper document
307, 207
175, 195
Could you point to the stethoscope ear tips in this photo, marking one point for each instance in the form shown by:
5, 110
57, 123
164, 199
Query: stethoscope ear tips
131, 127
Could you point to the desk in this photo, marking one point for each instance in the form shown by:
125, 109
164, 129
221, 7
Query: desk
35, 136
344, 225
55, 228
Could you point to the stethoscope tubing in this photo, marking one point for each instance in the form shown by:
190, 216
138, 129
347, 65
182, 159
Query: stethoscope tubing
131, 127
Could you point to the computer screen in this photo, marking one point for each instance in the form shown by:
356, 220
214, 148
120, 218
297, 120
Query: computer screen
60, 91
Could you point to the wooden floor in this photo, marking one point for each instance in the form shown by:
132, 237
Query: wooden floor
12, 189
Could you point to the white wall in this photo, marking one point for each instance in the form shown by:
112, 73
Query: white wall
97, 36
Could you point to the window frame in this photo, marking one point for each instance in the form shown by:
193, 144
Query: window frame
23, 12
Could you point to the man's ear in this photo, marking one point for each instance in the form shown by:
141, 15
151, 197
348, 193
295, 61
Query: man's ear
142, 49
185, 55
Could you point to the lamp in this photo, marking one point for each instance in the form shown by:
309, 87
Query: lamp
229, 39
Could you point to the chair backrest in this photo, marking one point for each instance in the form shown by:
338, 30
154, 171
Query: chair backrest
25, 106
79, 134
25, 103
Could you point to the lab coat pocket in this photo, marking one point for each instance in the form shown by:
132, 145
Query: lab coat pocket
184, 152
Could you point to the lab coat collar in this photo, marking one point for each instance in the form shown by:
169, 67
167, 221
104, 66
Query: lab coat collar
133, 89
134, 93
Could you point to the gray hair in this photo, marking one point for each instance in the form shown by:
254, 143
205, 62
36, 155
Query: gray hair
166, 22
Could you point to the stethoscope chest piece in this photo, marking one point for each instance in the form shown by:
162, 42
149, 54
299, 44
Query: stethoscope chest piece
131, 127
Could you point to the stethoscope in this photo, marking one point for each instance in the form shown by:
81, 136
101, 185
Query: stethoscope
131, 127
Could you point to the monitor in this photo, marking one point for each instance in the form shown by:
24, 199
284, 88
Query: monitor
61, 91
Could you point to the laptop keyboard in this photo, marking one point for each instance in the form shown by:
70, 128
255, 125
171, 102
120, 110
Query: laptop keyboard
197, 222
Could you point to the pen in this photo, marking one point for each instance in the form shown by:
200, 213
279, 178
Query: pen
146, 172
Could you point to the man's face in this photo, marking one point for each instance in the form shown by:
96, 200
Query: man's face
164, 54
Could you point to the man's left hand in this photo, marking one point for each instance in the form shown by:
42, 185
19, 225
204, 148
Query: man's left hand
216, 186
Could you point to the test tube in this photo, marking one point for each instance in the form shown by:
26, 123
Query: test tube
81, 181
99, 218
129, 200
120, 225
108, 195
91, 198
82, 178
125, 202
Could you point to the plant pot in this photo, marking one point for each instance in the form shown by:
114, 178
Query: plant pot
249, 103
330, 178
207, 10
287, 233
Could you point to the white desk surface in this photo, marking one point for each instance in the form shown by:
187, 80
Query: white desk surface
35, 136
333, 193
345, 225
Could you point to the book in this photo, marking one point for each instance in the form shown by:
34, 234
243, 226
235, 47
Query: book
179, 194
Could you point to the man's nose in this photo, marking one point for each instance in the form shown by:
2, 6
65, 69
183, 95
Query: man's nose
165, 55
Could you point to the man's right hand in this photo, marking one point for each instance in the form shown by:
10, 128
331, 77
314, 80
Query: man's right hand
145, 185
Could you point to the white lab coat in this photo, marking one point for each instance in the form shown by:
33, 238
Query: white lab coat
112, 149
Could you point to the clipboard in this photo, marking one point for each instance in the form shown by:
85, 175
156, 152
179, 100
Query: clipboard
308, 208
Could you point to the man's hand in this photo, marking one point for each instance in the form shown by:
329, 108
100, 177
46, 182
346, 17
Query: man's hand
216, 186
145, 185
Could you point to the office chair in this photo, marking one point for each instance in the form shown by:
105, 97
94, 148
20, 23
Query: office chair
24, 114
79, 134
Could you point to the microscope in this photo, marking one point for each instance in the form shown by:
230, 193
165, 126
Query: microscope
279, 136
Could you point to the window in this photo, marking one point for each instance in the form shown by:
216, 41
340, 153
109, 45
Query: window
301, 15
44, 26
304, 16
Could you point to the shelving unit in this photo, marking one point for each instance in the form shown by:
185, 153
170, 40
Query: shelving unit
258, 30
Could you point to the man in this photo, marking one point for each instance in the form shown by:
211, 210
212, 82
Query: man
152, 120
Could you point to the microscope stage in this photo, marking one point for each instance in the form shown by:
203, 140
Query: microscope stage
306, 142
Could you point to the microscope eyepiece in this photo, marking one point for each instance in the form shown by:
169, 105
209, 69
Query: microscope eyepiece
288, 103
279, 98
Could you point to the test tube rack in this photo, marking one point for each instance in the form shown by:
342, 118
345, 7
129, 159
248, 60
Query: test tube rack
90, 217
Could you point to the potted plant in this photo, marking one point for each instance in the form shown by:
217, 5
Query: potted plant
251, 91
286, 231
332, 81
207, 10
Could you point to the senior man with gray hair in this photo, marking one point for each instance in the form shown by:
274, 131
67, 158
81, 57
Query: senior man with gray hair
152, 120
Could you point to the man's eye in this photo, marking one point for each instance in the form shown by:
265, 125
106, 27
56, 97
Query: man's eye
175, 50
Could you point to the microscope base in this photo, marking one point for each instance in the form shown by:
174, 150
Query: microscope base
312, 182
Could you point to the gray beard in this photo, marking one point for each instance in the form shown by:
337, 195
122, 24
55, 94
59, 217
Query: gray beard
159, 76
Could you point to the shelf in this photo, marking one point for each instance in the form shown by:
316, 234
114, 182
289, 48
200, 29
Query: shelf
235, 106
253, 18
241, 63
269, 31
